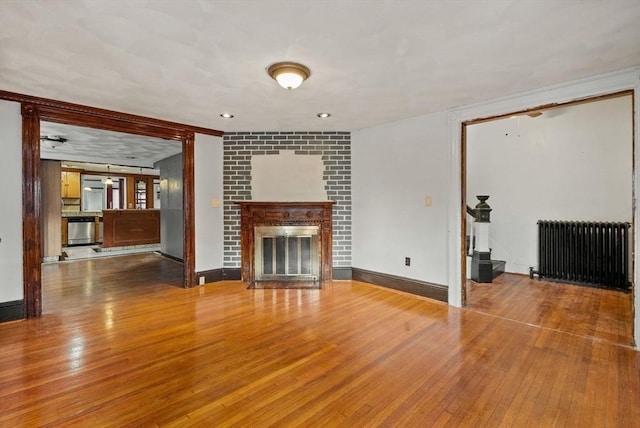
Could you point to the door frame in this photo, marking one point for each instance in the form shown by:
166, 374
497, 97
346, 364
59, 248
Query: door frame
34, 110
463, 172
573, 92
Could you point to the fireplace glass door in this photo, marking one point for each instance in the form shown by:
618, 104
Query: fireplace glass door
287, 253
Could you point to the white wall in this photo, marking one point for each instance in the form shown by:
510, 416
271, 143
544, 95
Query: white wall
394, 168
573, 163
209, 188
396, 165
11, 202
171, 206
287, 177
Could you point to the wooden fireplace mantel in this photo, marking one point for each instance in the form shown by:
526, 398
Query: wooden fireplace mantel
254, 214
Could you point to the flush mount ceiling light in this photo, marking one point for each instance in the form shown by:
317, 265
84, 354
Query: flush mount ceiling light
289, 75
323, 115
226, 115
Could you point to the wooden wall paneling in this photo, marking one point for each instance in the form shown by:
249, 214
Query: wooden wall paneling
50, 217
31, 273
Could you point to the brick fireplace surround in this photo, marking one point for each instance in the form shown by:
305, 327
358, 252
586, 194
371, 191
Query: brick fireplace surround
335, 149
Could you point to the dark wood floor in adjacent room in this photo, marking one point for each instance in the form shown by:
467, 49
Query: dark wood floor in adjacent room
121, 344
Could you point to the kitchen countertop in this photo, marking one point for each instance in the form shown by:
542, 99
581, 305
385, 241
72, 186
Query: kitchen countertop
133, 209
83, 214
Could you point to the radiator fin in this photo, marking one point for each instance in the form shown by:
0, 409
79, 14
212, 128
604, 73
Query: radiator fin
584, 252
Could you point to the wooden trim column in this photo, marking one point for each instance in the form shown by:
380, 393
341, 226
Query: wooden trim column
121, 193
31, 268
188, 203
149, 190
463, 223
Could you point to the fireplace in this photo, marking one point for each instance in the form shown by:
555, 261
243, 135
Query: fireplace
287, 253
286, 241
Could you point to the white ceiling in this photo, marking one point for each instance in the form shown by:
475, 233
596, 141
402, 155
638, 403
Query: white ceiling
371, 62
100, 146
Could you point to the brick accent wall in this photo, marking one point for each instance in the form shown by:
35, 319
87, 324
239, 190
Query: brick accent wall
335, 148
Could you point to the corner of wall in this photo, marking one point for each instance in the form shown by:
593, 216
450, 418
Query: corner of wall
11, 259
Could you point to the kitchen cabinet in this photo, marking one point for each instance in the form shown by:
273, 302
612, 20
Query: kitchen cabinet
70, 184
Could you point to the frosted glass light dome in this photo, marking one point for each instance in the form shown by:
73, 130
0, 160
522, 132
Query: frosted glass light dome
289, 80
289, 75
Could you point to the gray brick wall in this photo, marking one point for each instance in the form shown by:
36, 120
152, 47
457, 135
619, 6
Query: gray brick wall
335, 148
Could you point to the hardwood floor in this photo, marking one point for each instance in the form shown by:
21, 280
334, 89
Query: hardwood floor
575, 309
123, 345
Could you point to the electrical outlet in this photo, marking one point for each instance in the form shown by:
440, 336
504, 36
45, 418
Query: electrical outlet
407, 261
201, 280
427, 201
215, 203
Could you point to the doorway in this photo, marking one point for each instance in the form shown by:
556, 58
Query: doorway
36, 109
102, 170
571, 161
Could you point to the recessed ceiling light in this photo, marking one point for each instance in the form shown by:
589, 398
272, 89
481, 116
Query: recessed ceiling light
323, 115
226, 115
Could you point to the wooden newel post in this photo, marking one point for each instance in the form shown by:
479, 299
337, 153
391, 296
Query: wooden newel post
481, 266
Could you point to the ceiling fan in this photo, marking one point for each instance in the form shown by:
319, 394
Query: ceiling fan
53, 141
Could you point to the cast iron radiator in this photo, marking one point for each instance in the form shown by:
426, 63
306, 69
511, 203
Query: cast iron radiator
584, 252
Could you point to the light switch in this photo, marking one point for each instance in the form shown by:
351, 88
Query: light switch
427, 201
215, 203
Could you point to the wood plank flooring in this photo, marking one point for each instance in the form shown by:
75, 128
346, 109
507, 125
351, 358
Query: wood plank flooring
575, 309
122, 345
